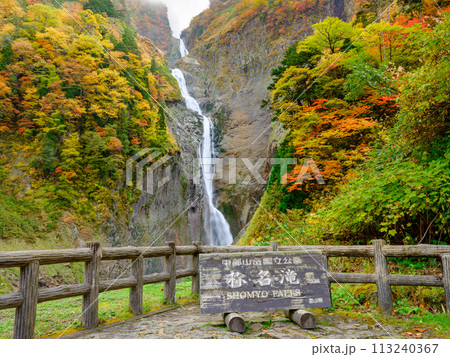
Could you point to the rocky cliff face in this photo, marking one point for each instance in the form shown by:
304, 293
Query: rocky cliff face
176, 206
230, 63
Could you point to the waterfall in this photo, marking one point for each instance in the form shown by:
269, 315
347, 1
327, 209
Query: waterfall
183, 50
215, 225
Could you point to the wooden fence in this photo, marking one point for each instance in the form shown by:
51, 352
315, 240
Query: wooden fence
25, 301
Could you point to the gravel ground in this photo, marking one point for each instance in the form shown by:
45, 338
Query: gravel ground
186, 322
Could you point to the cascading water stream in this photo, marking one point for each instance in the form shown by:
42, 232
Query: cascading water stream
216, 226
183, 50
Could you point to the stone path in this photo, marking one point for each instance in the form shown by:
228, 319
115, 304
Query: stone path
186, 322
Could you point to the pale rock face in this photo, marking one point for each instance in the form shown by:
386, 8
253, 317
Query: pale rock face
231, 83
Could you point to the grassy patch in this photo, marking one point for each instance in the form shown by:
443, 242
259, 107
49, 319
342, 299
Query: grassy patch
267, 324
440, 321
19, 218
360, 300
439, 324
63, 316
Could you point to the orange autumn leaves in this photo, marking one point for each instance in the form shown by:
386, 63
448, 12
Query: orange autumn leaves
337, 141
337, 93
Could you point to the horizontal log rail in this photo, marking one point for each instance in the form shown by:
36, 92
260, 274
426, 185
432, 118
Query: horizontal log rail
44, 257
110, 285
156, 278
62, 292
30, 295
10, 301
395, 280
134, 252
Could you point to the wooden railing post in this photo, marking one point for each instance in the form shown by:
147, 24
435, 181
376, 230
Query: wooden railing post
446, 278
274, 245
170, 268
137, 292
382, 278
26, 313
326, 265
326, 262
89, 317
195, 288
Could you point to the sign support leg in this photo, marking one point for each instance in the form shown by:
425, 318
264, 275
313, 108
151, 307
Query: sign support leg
234, 322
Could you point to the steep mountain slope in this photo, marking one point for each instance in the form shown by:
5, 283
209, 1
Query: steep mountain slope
233, 47
81, 92
150, 19
376, 124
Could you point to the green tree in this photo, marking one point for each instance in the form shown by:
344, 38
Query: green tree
47, 158
162, 122
43, 16
71, 153
330, 35
101, 6
129, 42
7, 57
424, 114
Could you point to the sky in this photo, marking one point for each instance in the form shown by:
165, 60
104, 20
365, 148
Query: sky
182, 11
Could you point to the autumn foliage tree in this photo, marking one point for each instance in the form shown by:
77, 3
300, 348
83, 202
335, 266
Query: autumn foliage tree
370, 106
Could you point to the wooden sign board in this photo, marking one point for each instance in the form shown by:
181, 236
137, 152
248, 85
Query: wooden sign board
239, 282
